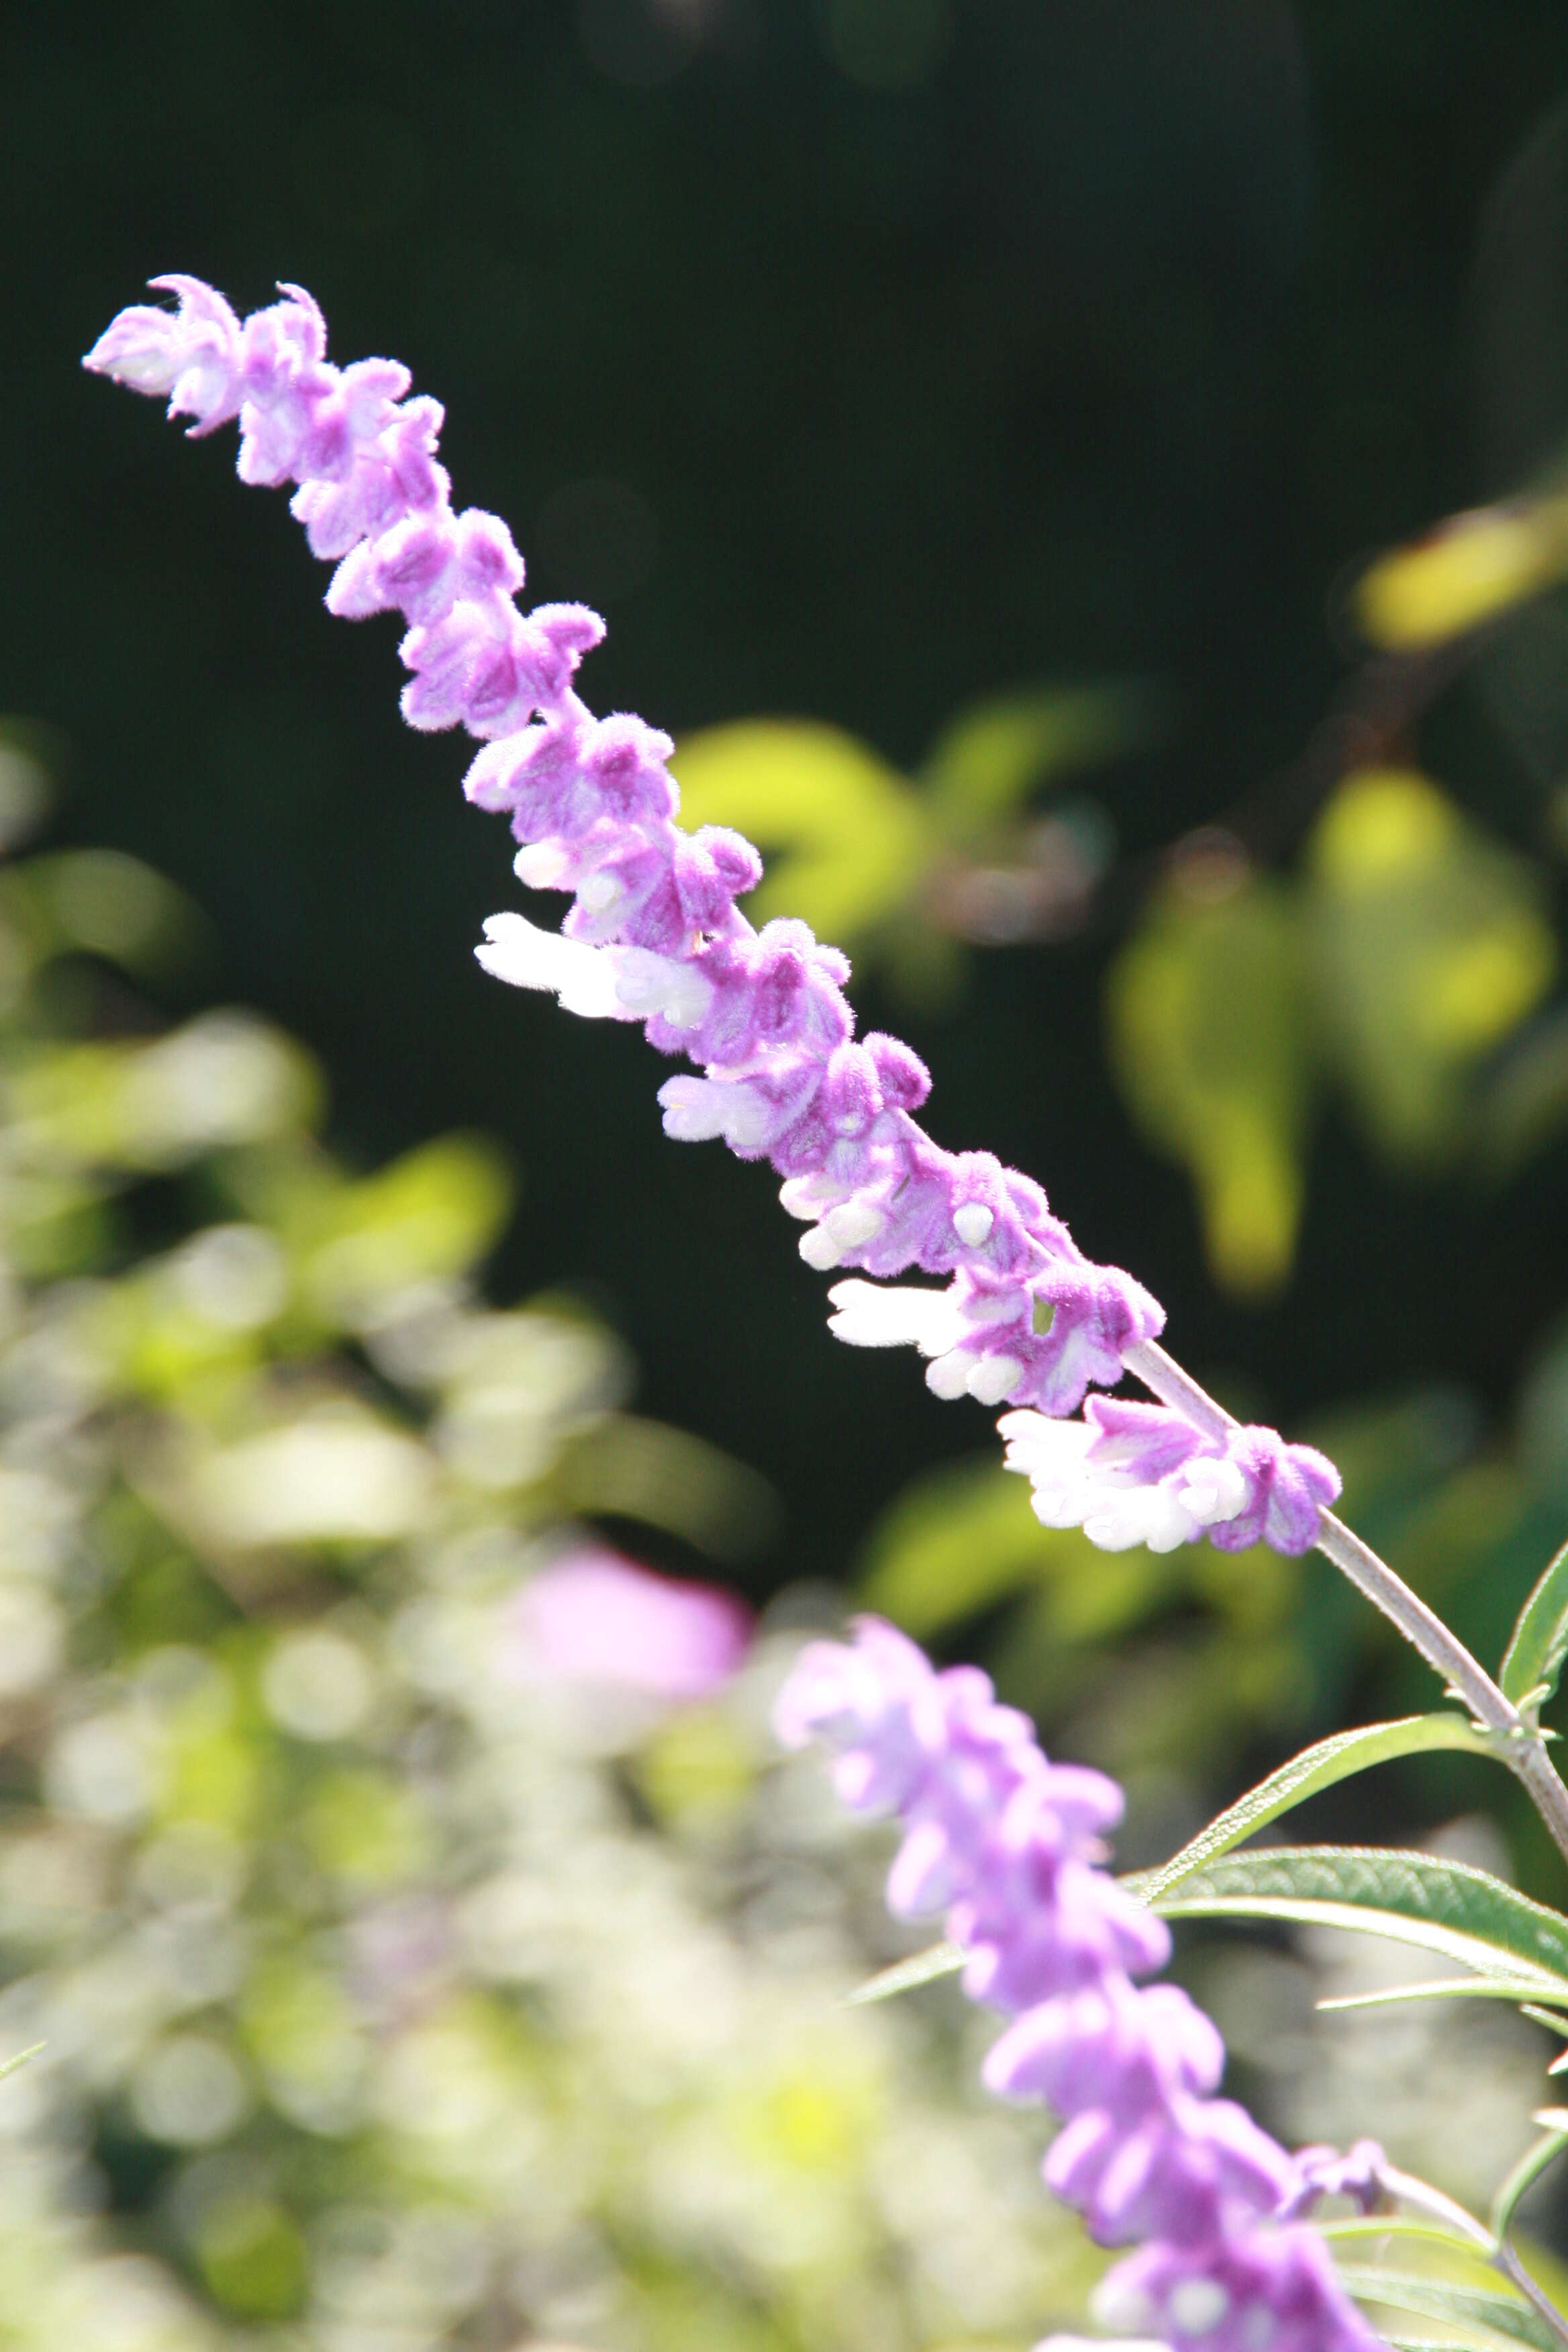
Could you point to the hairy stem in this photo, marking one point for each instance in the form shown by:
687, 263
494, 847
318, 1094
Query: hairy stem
1420, 2197
1520, 1746
1507, 2261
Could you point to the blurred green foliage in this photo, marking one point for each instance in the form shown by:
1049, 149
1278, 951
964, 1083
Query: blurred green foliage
391, 1998
1400, 963
901, 869
1410, 948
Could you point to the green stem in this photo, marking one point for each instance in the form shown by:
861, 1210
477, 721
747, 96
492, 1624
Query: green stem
1520, 1744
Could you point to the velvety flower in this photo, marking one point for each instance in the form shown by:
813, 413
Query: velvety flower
1009, 1847
654, 932
1139, 1473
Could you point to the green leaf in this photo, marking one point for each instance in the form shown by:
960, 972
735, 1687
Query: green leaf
854, 838
1430, 946
1529, 2169
1539, 1643
1483, 2342
921, 1968
1401, 2225
1435, 2298
958, 1539
1467, 571
1411, 1898
424, 1218
993, 755
1319, 1767
9, 2065
1520, 1989
1206, 1016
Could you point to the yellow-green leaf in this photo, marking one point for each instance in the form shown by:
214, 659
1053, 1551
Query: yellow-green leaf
958, 1539
1463, 574
1429, 945
1205, 1009
985, 764
852, 837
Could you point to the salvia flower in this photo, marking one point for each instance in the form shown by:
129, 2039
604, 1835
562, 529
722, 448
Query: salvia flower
653, 933
1139, 1473
1010, 1847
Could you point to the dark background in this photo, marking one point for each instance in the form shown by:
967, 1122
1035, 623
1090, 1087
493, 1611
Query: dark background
1104, 342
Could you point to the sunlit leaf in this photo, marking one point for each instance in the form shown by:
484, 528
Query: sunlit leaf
852, 835
922, 1968
107, 904
1412, 1898
1418, 2229
1522, 1989
1207, 1036
958, 1539
1435, 2298
993, 755
1466, 571
1429, 945
223, 1080
1538, 1646
1338, 1757
1529, 2169
428, 1217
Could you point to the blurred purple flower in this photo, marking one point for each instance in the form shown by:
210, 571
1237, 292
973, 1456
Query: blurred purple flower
1011, 1847
597, 1618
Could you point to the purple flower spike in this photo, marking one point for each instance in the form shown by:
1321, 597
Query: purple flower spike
655, 934
1009, 1846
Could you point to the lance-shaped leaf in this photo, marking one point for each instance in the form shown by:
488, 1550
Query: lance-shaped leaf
1539, 1643
1520, 1989
1319, 1767
1430, 943
1529, 2167
921, 1968
1435, 2298
1412, 1898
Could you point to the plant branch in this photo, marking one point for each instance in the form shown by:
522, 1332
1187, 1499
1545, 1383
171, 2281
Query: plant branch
1520, 1744
1507, 2261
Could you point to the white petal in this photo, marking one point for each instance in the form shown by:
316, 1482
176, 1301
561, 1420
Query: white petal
973, 1224
1212, 1490
1040, 1447
995, 1378
807, 1196
541, 863
581, 977
647, 983
894, 1315
1139, 1515
698, 1109
948, 1375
